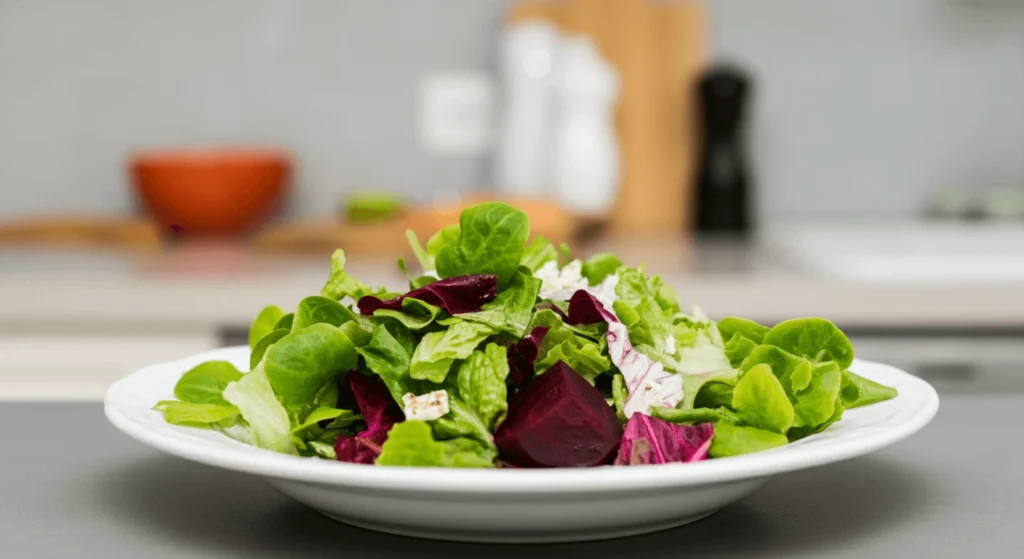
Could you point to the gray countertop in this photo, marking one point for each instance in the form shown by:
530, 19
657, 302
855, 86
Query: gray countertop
72, 486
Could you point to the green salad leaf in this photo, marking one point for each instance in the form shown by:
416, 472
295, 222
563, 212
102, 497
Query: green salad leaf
190, 414
811, 387
415, 314
538, 253
205, 383
478, 401
694, 384
264, 323
600, 266
739, 348
261, 346
411, 443
340, 284
269, 425
698, 415
760, 401
340, 417
512, 310
437, 351
285, 323
562, 343
858, 391
321, 310
492, 240
730, 326
734, 440
816, 339
390, 360
301, 363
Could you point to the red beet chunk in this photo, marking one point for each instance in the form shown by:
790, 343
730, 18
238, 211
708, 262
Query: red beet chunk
559, 421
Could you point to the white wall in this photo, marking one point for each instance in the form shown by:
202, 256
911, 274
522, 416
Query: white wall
863, 106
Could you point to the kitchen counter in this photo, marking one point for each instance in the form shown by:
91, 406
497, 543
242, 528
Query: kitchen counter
73, 322
223, 286
75, 487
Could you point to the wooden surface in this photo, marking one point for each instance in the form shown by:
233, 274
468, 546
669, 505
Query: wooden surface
659, 49
81, 231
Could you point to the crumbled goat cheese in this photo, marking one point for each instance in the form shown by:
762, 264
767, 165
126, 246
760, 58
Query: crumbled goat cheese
426, 407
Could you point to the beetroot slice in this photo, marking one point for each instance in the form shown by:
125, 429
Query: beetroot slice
648, 440
380, 411
460, 294
559, 420
522, 354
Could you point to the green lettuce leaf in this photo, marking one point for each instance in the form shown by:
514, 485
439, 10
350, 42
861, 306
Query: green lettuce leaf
478, 401
697, 415
269, 425
415, 314
693, 384
562, 343
286, 322
538, 253
619, 395
437, 351
492, 240
301, 363
389, 360
190, 414
205, 383
811, 387
264, 323
858, 391
699, 346
760, 401
600, 266
340, 284
733, 440
738, 348
340, 417
815, 339
321, 310
411, 443
427, 257
512, 310
261, 346
650, 329
730, 326
634, 284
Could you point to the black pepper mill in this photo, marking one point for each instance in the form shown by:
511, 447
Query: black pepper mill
723, 187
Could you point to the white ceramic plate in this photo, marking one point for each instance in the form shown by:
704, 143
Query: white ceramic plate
515, 505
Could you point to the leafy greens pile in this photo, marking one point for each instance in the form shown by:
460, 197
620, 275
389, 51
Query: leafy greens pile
507, 353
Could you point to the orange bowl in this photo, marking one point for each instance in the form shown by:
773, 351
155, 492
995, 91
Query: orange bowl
211, 191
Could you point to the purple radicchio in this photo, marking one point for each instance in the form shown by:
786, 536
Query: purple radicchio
379, 410
522, 354
647, 381
648, 440
456, 295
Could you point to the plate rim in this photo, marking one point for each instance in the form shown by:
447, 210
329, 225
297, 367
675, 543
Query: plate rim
561, 480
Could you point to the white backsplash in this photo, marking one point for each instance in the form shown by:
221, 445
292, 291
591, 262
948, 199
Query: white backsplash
863, 106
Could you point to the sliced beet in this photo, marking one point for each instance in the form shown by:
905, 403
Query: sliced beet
559, 420
456, 295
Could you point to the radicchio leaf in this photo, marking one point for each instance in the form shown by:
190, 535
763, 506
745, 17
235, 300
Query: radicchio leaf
379, 410
648, 440
522, 354
559, 420
647, 381
456, 295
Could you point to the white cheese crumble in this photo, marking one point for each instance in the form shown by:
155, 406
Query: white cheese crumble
560, 285
425, 407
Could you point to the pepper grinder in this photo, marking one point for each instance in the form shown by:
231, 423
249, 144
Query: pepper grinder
723, 185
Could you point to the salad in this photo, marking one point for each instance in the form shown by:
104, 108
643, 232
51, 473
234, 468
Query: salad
506, 352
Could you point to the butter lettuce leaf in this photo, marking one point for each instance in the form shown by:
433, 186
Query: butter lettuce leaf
437, 351
491, 240
735, 440
858, 391
411, 443
760, 401
269, 424
264, 322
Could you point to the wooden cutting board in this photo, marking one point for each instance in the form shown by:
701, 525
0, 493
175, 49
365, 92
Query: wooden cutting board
659, 49
81, 231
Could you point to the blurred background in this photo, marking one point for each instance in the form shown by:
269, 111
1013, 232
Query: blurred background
168, 168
